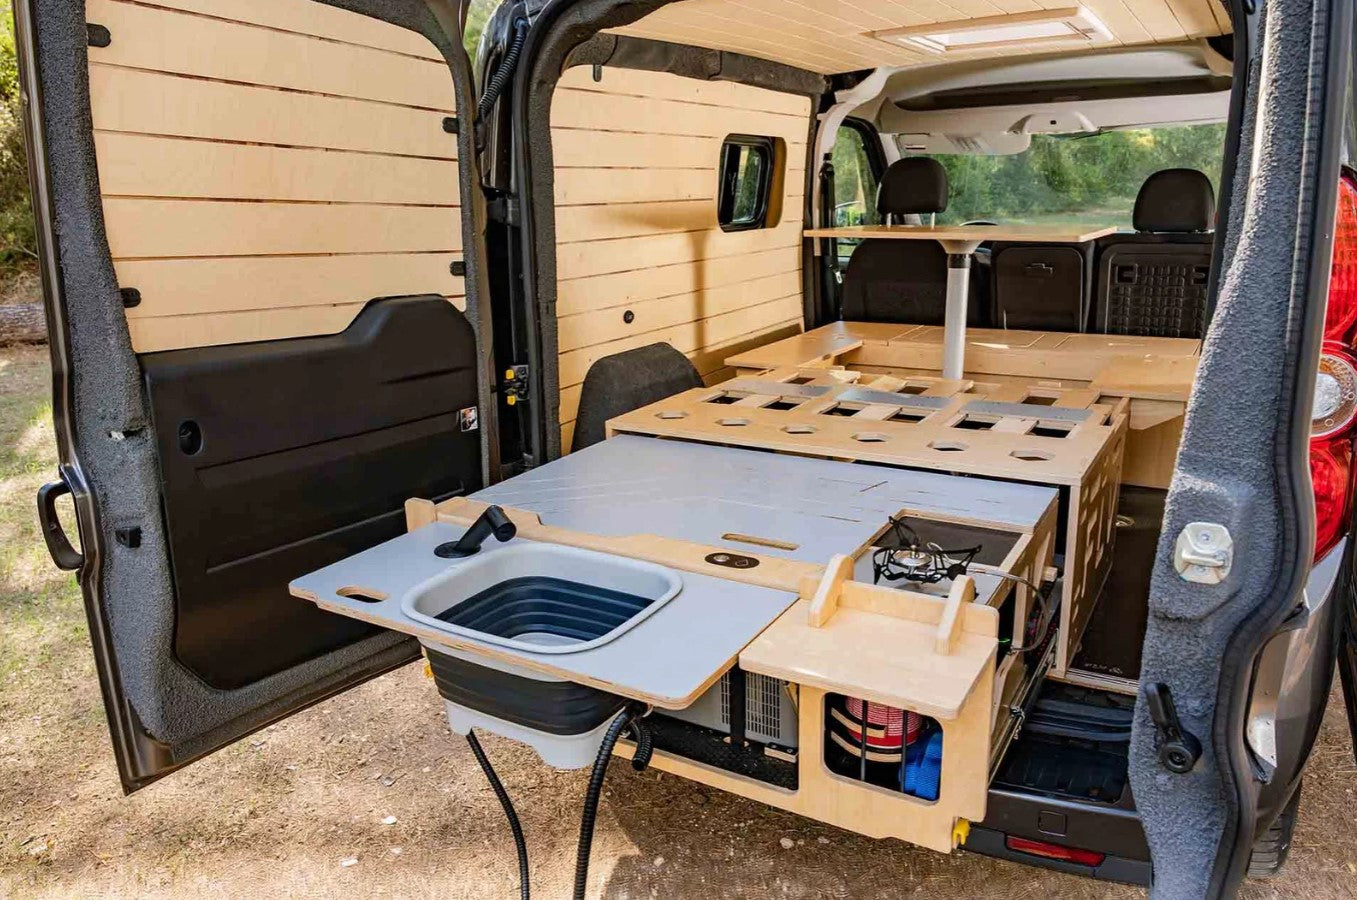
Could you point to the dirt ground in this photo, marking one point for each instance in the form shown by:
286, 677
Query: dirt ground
302, 808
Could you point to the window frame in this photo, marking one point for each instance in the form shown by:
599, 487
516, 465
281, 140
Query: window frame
728, 181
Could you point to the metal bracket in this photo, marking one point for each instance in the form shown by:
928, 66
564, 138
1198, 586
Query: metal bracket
1203, 553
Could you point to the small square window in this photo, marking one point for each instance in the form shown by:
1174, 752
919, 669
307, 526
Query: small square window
746, 182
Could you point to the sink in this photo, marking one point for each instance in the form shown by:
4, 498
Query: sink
542, 598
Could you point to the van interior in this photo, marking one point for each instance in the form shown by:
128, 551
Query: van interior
827, 362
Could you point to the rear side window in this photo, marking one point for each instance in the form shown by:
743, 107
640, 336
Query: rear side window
746, 182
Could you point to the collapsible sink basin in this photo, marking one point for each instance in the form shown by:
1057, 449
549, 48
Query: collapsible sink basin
542, 598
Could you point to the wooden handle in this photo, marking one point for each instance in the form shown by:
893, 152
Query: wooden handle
949, 628
826, 600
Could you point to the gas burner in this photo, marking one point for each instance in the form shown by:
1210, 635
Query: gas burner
918, 561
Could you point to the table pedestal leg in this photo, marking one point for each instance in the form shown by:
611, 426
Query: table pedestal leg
954, 331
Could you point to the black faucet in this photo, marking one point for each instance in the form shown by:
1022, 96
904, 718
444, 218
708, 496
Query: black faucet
492, 521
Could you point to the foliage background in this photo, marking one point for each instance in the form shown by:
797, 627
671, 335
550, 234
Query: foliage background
1091, 178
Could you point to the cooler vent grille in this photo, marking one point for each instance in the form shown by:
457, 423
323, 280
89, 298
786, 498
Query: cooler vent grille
763, 705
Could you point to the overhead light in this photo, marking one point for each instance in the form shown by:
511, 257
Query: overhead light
1074, 25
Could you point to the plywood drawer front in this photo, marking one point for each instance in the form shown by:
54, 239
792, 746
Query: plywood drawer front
640, 257
267, 168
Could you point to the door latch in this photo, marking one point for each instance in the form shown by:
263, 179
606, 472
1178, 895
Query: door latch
1204, 553
1178, 749
515, 386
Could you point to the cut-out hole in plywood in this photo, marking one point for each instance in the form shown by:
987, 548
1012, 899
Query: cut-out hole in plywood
671, 414
800, 429
783, 404
1032, 455
906, 416
912, 388
799, 379
843, 409
726, 398
869, 437
732, 423
1051, 429
948, 446
361, 594
1033, 399
975, 423
758, 541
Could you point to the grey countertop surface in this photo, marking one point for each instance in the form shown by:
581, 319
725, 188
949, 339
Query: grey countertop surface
692, 492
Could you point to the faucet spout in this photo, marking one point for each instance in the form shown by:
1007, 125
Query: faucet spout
491, 522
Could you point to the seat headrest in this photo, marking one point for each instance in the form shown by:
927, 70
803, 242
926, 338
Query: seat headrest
1175, 200
912, 186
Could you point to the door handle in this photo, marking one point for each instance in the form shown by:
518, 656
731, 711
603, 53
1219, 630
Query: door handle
59, 546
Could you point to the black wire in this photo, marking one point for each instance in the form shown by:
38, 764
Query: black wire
508, 805
605, 751
503, 71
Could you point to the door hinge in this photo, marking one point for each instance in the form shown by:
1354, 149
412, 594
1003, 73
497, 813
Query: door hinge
1203, 553
515, 387
1178, 748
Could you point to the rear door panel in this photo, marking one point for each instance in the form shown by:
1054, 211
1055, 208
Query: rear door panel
250, 212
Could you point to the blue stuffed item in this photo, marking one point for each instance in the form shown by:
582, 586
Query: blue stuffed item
922, 771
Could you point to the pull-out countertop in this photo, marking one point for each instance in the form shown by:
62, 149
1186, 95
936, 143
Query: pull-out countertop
701, 493
792, 507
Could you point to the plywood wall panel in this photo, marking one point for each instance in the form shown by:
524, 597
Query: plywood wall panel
142, 165
267, 168
640, 257
216, 110
161, 40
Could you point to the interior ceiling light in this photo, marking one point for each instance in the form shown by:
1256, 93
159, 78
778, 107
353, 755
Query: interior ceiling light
1043, 27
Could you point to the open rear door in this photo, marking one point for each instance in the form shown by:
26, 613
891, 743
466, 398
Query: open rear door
1235, 570
264, 330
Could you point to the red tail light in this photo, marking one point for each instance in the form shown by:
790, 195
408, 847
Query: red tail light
1335, 410
1055, 851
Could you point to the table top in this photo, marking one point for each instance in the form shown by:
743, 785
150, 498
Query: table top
1050, 234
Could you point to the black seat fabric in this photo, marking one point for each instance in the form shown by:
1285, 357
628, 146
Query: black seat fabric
904, 281
1042, 287
1154, 282
625, 381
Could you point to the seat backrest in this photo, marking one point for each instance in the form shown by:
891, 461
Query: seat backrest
1042, 287
903, 281
1153, 282
626, 381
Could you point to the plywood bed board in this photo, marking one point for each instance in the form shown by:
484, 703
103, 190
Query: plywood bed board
636, 158
267, 167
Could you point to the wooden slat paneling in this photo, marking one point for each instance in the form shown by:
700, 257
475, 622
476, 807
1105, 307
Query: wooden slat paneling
267, 168
830, 36
192, 107
169, 41
635, 189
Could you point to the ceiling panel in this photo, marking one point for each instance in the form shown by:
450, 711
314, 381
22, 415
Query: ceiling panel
830, 36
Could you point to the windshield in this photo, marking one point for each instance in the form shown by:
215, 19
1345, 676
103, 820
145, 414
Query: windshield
1079, 179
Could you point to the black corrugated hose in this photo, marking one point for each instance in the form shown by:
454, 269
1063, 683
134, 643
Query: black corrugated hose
629, 717
508, 805
503, 72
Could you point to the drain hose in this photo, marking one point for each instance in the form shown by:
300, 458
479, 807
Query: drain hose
629, 717
508, 805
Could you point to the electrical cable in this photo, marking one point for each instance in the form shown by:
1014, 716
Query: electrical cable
509, 812
503, 71
629, 717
